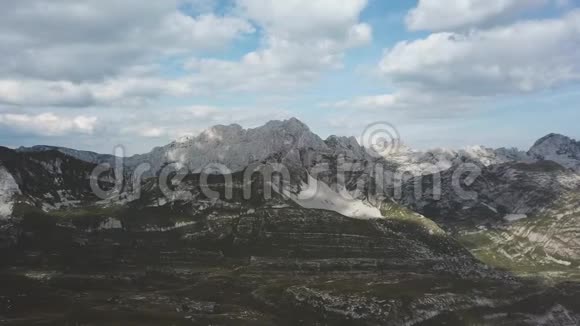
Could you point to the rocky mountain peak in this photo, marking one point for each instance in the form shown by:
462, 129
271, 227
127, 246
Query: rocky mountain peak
553, 143
553, 137
558, 148
220, 132
234, 146
347, 146
341, 141
291, 124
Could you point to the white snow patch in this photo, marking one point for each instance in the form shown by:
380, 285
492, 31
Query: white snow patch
515, 217
493, 209
67, 203
46, 207
280, 206
318, 195
40, 276
177, 225
111, 224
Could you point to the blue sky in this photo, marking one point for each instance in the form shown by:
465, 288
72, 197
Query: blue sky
96, 74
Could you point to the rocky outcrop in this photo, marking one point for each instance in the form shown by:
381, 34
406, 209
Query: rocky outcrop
47, 180
558, 148
496, 193
234, 147
8, 191
519, 216
86, 156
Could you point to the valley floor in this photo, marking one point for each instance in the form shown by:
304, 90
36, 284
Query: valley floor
156, 278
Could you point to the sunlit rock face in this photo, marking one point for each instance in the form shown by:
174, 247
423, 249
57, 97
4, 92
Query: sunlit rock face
235, 147
8, 190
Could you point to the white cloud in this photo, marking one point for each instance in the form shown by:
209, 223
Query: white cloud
126, 90
48, 124
303, 19
151, 132
204, 115
301, 39
94, 39
208, 31
528, 56
281, 66
439, 15
201, 111
411, 103
61, 93
105, 53
171, 123
131, 90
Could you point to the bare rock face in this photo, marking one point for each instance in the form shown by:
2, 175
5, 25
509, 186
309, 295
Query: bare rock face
234, 147
346, 146
8, 190
520, 216
498, 191
558, 148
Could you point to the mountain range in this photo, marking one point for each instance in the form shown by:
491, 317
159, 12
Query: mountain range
237, 148
337, 220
